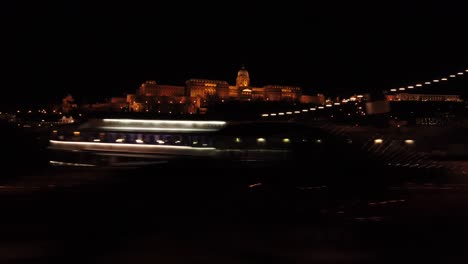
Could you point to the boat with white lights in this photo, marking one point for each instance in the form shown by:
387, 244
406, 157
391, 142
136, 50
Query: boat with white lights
121, 142
128, 141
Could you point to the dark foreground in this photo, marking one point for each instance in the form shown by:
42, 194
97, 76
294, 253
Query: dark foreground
331, 207
238, 215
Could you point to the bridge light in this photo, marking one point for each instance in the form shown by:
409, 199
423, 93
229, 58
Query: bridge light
286, 140
264, 115
460, 73
289, 113
418, 85
410, 87
281, 113
305, 110
393, 90
409, 141
378, 141
261, 140
402, 88
435, 80
297, 112
427, 83
444, 79
453, 76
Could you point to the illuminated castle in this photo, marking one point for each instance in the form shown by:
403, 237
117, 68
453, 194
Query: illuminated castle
197, 94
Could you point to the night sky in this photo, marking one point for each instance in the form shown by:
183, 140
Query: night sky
96, 50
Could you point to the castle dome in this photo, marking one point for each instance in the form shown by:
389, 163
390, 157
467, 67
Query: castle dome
243, 72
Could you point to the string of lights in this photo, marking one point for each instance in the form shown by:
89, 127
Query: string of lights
359, 97
431, 82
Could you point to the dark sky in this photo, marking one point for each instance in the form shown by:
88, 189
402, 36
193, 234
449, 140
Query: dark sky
336, 47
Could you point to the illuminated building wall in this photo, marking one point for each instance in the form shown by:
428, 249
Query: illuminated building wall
291, 93
166, 104
245, 94
281, 92
424, 97
318, 99
233, 92
151, 88
258, 93
272, 93
207, 88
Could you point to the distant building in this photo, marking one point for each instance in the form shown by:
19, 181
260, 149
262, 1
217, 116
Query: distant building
198, 93
318, 99
424, 97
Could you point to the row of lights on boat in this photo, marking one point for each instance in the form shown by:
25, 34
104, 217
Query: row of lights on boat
159, 141
378, 141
